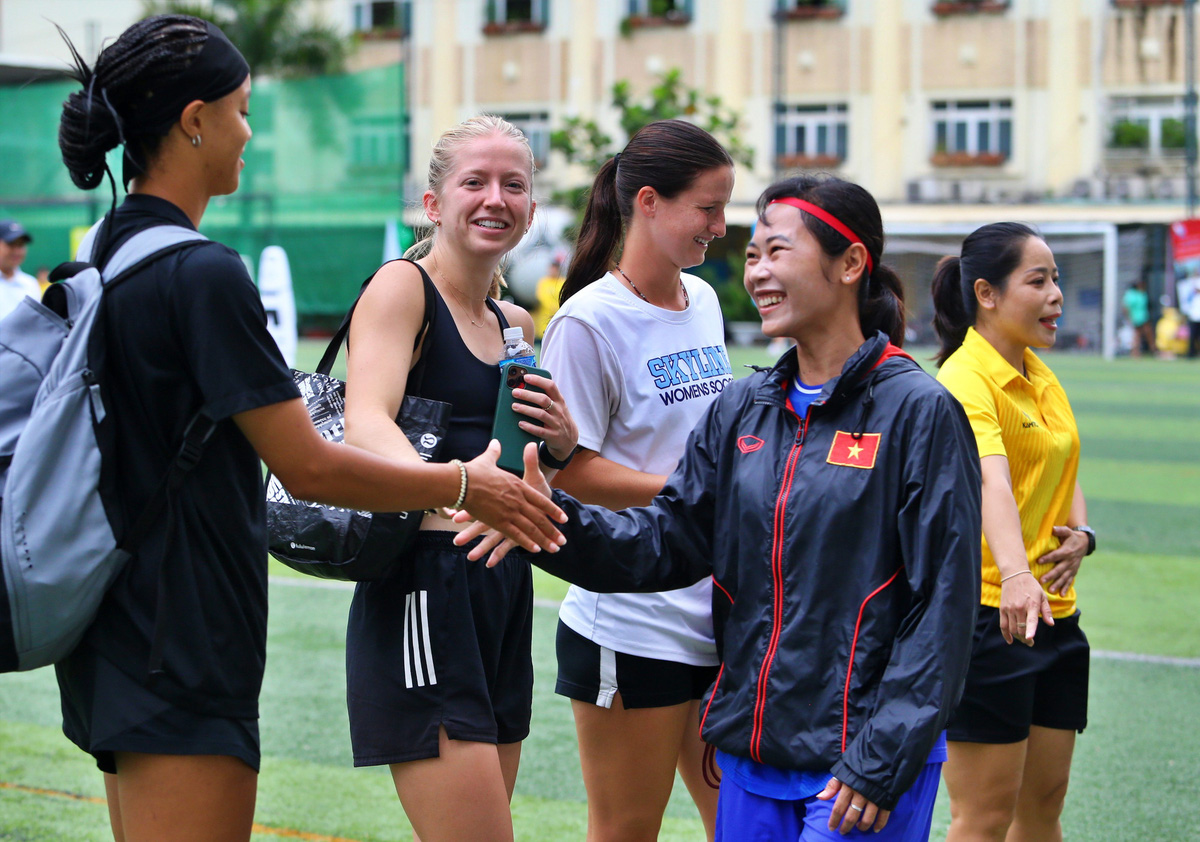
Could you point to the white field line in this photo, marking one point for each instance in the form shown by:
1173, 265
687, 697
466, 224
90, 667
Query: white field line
335, 585
1162, 660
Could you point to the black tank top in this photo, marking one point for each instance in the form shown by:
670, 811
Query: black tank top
454, 375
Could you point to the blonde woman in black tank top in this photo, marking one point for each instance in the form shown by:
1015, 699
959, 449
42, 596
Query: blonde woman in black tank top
439, 668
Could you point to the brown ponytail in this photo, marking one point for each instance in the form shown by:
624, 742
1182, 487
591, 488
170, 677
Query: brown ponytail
668, 155
990, 253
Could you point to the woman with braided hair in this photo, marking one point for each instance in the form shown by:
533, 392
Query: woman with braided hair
177, 734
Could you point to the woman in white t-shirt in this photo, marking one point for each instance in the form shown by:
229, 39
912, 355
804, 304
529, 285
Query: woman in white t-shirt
638, 351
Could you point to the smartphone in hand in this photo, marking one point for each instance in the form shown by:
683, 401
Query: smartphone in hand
505, 424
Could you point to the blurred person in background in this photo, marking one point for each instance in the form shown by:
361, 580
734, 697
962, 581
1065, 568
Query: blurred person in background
15, 284
548, 289
1136, 304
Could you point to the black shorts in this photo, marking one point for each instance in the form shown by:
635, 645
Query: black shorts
588, 672
105, 711
1011, 687
445, 642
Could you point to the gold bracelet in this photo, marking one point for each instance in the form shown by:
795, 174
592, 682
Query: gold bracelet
1018, 573
462, 487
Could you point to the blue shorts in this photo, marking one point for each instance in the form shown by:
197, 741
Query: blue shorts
746, 817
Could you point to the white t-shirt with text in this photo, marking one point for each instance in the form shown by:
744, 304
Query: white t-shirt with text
637, 378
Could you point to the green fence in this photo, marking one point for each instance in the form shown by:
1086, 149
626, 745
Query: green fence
323, 178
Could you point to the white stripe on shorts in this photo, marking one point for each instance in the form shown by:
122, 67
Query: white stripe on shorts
608, 678
418, 653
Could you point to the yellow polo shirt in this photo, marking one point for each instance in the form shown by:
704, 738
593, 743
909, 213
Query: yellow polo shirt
1029, 420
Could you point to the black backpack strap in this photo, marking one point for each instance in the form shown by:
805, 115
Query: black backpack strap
343, 331
195, 437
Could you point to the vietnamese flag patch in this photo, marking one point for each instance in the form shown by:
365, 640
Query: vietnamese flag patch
854, 453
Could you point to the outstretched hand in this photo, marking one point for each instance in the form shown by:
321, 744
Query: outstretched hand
494, 541
520, 513
851, 809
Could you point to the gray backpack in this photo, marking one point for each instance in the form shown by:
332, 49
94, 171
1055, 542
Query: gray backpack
58, 549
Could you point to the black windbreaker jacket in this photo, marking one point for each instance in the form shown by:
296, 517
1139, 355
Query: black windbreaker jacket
844, 549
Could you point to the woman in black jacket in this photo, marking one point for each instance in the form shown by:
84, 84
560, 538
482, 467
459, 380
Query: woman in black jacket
834, 500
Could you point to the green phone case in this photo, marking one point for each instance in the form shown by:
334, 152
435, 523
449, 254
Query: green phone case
504, 426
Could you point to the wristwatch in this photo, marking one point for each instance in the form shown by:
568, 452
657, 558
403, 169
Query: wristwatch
547, 458
1091, 536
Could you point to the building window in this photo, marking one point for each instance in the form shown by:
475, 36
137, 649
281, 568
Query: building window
1149, 125
808, 9
515, 16
972, 132
811, 136
386, 18
643, 13
536, 127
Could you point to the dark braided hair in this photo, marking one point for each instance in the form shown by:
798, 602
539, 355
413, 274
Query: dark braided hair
109, 109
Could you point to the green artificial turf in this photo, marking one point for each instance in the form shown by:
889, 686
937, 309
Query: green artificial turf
1135, 768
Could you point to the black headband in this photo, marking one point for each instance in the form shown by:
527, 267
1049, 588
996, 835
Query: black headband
216, 71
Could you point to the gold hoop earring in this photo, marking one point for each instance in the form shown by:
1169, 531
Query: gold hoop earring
196, 141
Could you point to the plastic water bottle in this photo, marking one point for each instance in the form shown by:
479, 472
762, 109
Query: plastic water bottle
516, 349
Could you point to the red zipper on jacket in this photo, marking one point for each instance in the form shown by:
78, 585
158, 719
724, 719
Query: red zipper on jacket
853, 646
777, 541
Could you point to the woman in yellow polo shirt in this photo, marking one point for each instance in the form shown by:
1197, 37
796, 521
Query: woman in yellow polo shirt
1012, 736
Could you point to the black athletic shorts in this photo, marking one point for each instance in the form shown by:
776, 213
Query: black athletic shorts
105, 711
588, 672
445, 642
1012, 686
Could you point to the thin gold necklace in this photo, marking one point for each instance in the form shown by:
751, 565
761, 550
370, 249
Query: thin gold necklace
459, 296
687, 302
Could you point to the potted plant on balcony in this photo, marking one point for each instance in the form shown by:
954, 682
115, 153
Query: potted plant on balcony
1139, 4
810, 9
943, 158
1126, 134
959, 7
658, 13
1173, 134
809, 162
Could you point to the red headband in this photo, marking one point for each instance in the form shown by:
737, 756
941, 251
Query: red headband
829, 219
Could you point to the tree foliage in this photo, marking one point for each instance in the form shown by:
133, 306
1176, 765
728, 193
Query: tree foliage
270, 33
583, 142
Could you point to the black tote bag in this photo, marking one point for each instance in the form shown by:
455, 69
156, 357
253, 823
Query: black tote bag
335, 543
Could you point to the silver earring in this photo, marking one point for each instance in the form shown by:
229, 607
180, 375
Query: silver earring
196, 141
